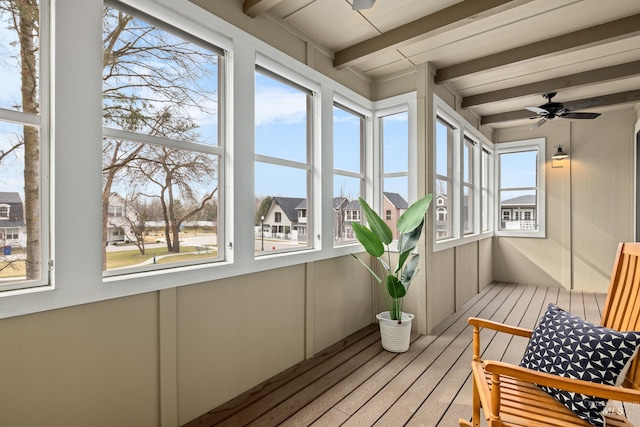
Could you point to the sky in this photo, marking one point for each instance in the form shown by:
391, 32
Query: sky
517, 170
12, 168
280, 129
281, 123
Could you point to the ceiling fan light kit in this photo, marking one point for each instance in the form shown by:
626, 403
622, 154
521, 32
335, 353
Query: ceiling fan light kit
551, 110
362, 4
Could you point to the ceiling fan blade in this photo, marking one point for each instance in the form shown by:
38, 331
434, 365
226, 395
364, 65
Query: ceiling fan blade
539, 123
579, 115
537, 110
362, 4
586, 103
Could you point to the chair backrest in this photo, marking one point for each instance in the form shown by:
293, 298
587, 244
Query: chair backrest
622, 306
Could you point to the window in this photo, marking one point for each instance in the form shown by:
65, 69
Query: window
283, 135
8, 237
487, 189
521, 188
468, 185
445, 134
395, 130
348, 169
462, 184
116, 211
161, 144
24, 141
395, 164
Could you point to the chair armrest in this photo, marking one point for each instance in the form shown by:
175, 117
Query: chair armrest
569, 384
477, 322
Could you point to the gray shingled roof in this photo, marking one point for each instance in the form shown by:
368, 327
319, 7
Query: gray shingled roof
353, 205
289, 205
396, 200
10, 197
526, 200
16, 213
337, 201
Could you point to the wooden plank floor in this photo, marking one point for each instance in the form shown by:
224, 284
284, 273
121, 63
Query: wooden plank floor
357, 383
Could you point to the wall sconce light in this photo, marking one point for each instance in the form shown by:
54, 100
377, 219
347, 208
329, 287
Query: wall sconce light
559, 155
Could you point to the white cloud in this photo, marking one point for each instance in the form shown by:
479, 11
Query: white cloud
278, 105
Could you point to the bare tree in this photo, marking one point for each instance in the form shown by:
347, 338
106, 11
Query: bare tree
137, 93
150, 83
136, 221
23, 16
176, 174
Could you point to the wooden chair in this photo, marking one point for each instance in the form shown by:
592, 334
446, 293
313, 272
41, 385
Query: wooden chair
507, 393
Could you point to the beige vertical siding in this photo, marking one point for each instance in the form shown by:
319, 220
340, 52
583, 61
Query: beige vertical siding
91, 365
467, 272
589, 205
236, 333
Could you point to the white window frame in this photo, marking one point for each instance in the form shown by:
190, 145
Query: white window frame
276, 71
387, 107
462, 129
41, 121
78, 119
488, 199
341, 101
539, 145
5, 211
141, 138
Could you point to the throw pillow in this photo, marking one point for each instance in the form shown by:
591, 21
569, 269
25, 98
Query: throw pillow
566, 345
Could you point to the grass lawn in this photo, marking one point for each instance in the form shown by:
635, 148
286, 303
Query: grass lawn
13, 269
128, 258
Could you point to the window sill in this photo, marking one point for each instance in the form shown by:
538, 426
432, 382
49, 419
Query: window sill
442, 245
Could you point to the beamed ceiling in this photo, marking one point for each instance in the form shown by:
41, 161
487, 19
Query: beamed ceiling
498, 56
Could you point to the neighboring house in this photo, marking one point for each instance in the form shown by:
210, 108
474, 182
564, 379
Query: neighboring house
443, 222
120, 218
518, 213
339, 204
13, 229
302, 228
393, 205
287, 218
352, 213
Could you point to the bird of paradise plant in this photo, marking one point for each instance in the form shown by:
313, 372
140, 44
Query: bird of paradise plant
376, 239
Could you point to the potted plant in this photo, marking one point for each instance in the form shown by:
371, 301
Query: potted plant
376, 239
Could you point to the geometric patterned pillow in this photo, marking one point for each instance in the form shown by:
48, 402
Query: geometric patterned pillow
566, 345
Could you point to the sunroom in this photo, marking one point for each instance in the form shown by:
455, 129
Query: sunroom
239, 135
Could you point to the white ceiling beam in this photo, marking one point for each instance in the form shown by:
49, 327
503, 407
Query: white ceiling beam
600, 75
593, 36
444, 20
632, 96
254, 8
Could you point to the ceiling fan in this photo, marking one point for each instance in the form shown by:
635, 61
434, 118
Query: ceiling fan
551, 110
362, 4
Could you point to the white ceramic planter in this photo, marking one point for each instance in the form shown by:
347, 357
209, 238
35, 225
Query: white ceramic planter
395, 336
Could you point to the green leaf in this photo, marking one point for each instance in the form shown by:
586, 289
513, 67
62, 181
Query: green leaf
395, 287
368, 239
407, 242
414, 216
410, 271
367, 267
376, 224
